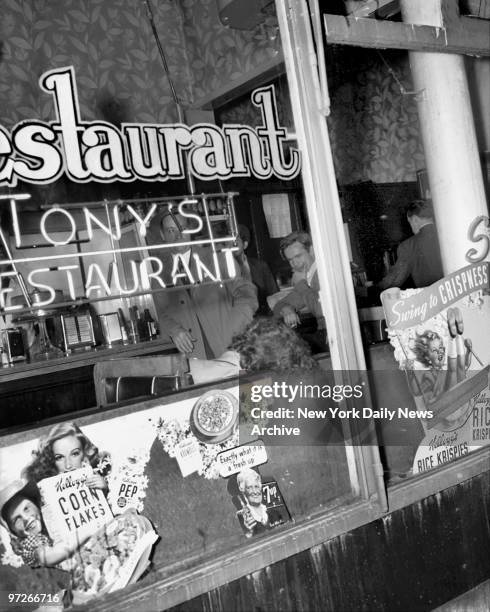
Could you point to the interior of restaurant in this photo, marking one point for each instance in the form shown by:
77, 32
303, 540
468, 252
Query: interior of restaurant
185, 62
373, 126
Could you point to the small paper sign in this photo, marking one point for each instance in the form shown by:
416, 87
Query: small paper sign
188, 456
127, 494
236, 459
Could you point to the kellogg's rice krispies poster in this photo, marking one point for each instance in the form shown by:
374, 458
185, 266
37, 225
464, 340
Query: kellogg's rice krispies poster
440, 336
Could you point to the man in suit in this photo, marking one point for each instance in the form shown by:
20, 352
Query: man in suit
255, 270
304, 298
200, 319
418, 257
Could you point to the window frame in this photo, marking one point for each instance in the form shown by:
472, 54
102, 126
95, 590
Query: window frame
347, 354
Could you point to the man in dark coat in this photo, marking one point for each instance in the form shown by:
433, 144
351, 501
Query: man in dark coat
418, 257
201, 319
256, 270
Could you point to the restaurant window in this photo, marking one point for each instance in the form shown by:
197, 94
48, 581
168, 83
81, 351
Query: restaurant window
141, 158
157, 158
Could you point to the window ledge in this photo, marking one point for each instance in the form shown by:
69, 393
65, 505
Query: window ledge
187, 584
424, 485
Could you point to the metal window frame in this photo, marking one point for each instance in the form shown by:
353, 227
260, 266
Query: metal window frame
309, 102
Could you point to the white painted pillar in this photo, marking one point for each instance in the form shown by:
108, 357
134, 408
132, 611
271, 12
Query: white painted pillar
449, 138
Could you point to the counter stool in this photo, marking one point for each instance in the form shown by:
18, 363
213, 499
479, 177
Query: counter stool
117, 380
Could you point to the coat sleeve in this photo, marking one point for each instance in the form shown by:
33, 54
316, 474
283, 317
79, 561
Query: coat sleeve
244, 303
270, 283
169, 326
398, 273
295, 299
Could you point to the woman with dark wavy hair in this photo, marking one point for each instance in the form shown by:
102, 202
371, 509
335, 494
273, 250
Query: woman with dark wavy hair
272, 347
269, 344
66, 448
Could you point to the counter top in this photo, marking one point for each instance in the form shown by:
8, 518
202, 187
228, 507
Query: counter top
81, 359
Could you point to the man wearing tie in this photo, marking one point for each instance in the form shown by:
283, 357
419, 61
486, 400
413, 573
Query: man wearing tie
200, 319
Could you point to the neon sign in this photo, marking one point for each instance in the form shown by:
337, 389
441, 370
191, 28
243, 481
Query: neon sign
145, 275
40, 152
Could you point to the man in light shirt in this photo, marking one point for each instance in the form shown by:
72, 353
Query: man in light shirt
304, 299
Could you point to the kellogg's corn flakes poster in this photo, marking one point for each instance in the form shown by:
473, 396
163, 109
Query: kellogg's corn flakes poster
56, 513
94, 501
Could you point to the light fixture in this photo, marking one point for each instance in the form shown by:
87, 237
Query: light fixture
241, 14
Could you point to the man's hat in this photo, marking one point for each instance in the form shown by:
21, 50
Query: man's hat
18, 488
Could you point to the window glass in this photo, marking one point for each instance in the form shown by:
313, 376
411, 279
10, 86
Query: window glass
429, 363
159, 187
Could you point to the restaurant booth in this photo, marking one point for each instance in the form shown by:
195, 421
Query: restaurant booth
294, 116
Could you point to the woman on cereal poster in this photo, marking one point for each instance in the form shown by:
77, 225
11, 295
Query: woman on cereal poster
444, 352
57, 515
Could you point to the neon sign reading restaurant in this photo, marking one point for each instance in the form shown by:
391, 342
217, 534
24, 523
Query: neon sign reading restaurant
40, 152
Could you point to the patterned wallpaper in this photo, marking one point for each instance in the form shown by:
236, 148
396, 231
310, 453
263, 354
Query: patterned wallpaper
220, 55
119, 71
242, 111
373, 126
